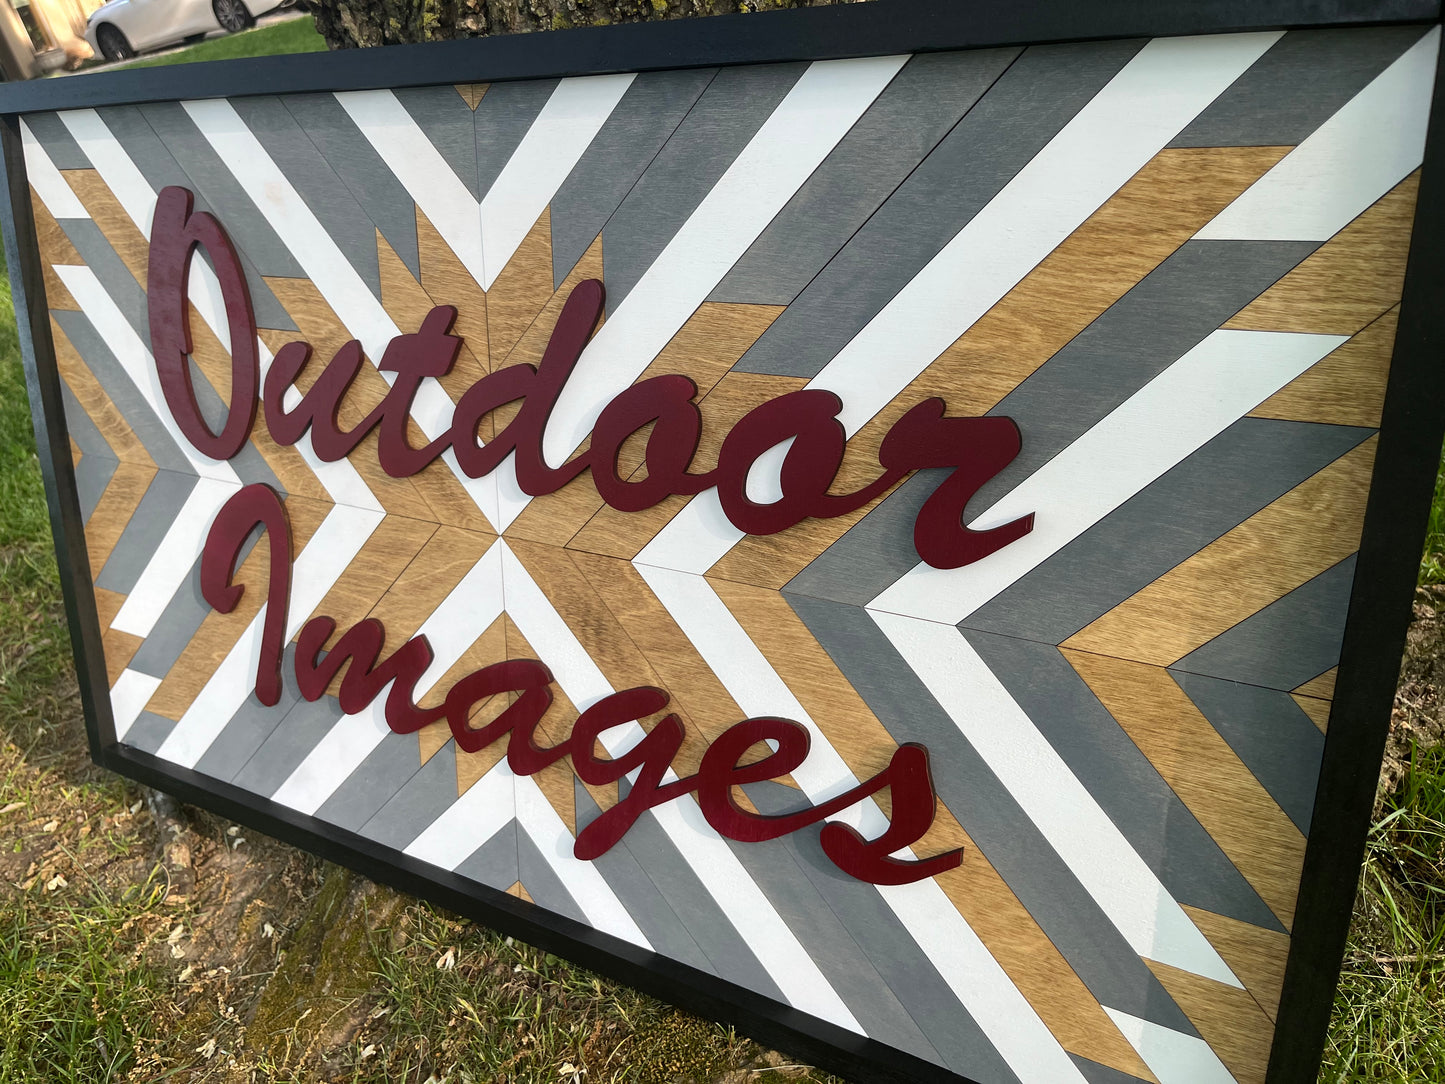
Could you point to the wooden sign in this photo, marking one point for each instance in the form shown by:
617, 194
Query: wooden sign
892, 526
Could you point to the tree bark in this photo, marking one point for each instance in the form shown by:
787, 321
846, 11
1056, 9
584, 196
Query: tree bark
350, 24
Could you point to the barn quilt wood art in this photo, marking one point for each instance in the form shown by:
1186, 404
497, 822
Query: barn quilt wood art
863, 541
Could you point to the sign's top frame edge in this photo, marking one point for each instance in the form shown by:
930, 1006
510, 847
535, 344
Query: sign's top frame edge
877, 28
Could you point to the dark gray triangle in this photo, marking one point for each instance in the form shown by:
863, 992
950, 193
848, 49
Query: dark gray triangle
904, 124
420, 801
369, 180
1270, 733
494, 863
647, 115
1183, 300
1160, 827
1029, 865
148, 524
123, 393
1012, 122
215, 190
1247, 467
1292, 640
728, 114
446, 120
60, 146
1296, 86
323, 192
647, 907
499, 123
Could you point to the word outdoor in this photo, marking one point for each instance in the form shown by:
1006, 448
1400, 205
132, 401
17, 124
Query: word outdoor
976, 449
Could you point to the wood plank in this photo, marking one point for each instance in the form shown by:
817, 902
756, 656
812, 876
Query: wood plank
1322, 686
1350, 280
219, 632
384, 557
117, 504
472, 92
1311, 528
107, 605
116, 226
120, 648
1230, 1020
1204, 771
55, 248
447, 282
1346, 386
556, 781
489, 647
521, 290
124, 443
1255, 955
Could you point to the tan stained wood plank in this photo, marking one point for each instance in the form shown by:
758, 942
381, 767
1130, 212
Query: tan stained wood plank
125, 445
472, 92
116, 226
1322, 686
1318, 710
447, 282
55, 248
1309, 529
1204, 771
107, 605
489, 647
1256, 956
1350, 280
521, 290
120, 648
219, 632
1232, 1023
383, 558
1346, 387
117, 504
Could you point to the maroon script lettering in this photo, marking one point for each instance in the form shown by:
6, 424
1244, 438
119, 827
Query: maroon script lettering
357, 657
975, 448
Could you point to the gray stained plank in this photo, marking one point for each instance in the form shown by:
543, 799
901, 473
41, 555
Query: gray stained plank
260, 249
1302, 80
369, 180
1292, 640
1270, 733
914, 112
143, 532
494, 863
384, 772
1064, 910
647, 906
725, 117
60, 146
1247, 467
446, 120
287, 745
542, 884
1164, 316
174, 629
423, 798
82, 428
92, 475
1024, 109
318, 185
148, 732
247, 730
627, 142
123, 393
1120, 778
501, 120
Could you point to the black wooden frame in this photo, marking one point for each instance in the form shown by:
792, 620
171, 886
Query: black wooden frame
1395, 519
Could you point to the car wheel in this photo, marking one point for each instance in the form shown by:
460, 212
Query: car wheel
232, 15
113, 45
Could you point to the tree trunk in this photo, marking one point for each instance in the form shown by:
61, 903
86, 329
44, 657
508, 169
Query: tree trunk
349, 24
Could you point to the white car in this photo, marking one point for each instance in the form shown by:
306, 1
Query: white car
122, 28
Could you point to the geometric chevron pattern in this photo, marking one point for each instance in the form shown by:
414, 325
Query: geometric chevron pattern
1175, 263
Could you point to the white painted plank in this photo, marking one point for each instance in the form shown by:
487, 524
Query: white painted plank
49, 185
128, 697
1175, 414
563, 130
1370, 145
1173, 1057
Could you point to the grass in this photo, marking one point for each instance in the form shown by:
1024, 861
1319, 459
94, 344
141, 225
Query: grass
289, 36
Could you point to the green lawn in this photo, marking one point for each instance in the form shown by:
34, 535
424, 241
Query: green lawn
290, 36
